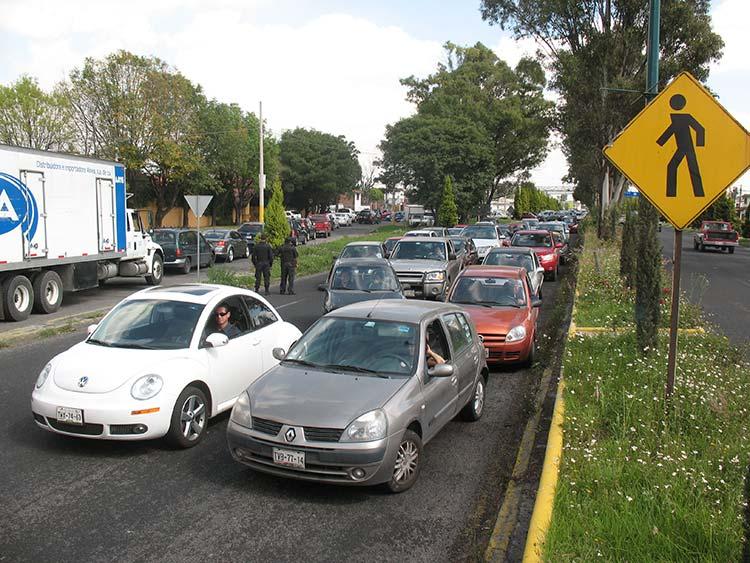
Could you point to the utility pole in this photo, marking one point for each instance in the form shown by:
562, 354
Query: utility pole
262, 175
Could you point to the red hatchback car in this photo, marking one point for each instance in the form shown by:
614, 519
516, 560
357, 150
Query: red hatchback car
322, 225
503, 309
542, 243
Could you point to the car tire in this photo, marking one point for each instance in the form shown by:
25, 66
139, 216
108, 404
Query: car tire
473, 410
407, 465
701, 247
157, 271
731, 250
531, 358
187, 266
18, 298
187, 428
48, 292
230, 255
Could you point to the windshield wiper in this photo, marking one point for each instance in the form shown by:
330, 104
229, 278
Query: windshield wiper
134, 346
357, 369
301, 362
99, 342
482, 303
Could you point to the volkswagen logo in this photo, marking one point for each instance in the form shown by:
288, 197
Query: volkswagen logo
83, 381
290, 435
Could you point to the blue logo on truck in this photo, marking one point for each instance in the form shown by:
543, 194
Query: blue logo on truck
17, 207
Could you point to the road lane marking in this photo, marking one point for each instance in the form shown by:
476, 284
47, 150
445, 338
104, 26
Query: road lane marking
288, 304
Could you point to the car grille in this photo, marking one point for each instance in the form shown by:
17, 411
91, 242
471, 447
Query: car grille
410, 277
490, 339
502, 355
87, 429
266, 426
322, 434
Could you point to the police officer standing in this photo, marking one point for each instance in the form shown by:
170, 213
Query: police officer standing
288, 255
263, 260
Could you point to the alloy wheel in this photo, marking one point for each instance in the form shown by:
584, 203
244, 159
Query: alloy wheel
406, 461
479, 397
193, 417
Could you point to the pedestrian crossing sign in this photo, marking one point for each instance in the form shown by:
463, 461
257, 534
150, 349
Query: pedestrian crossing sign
682, 151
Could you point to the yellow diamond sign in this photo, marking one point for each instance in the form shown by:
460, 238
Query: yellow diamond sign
682, 151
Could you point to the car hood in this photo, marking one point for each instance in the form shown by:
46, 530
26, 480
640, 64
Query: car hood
309, 397
106, 368
342, 297
495, 320
418, 265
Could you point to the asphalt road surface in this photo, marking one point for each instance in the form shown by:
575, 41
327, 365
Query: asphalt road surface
66, 499
718, 281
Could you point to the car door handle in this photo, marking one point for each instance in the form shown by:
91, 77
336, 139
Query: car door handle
255, 341
454, 380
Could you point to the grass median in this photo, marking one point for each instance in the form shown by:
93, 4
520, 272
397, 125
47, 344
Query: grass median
640, 481
313, 258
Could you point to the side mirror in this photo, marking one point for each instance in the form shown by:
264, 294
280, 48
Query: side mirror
441, 370
536, 303
91, 328
540, 270
323, 286
278, 353
217, 340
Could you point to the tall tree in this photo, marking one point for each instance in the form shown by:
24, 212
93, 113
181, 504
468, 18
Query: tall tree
32, 118
448, 212
277, 225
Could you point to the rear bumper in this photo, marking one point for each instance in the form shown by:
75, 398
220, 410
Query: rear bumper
175, 263
719, 243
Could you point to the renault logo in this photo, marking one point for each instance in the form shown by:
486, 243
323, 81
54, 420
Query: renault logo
83, 381
290, 435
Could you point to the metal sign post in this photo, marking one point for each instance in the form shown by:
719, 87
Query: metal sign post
198, 204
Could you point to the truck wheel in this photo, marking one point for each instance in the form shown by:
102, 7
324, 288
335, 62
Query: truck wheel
731, 250
157, 271
18, 298
187, 266
48, 292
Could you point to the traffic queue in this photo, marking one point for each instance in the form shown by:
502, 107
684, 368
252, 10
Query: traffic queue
409, 328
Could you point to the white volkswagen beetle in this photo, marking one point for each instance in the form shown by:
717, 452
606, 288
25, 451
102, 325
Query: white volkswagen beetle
159, 365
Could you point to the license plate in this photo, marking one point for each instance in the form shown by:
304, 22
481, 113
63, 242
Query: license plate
289, 458
70, 416
409, 293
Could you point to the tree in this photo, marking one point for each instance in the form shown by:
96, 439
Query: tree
647, 279
277, 226
723, 209
32, 118
317, 167
746, 224
448, 212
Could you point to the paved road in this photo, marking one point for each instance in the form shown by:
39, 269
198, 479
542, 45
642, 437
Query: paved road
118, 288
718, 281
72, 499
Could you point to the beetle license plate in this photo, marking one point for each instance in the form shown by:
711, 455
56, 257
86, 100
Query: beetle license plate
409, 293
289, 458
69, 415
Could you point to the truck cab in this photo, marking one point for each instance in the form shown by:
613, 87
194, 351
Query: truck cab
716, 234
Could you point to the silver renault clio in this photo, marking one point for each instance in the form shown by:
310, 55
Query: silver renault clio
359, 394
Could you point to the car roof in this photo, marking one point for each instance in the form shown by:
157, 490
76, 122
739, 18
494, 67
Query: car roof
423, 239
511, 250
364, 243
251, 223
398, 310
532, 232
201, 293
494, 271
362, 261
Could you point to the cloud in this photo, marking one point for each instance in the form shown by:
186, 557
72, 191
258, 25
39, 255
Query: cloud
729, 19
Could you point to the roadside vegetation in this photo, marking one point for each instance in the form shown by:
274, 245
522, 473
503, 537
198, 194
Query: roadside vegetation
641, 480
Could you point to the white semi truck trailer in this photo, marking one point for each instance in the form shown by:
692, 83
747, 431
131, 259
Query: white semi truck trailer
64, 226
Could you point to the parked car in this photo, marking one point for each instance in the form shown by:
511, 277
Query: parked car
503, 308
343, 219
399, 216
227, 244
426, 266
298, 232
360, 396
332, 220
517, 257
322, 225
386, 216
485, 237
556, 226
367, 216
249, 231
466, 251
156, 365
716, 234
361, 279
542, 244
181, 249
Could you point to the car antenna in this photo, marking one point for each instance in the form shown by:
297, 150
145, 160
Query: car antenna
369, 315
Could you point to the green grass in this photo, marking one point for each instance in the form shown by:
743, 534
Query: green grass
604, 301
313, 259
745, 242
636, 484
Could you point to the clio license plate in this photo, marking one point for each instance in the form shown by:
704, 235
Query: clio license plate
289, 458
69, 415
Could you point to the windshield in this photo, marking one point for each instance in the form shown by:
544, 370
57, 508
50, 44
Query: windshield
358, 345
419, 250
717, 226
480, 231
148, 324
510, 259
319, 218
215, 235
164, 236
532, 239
551, 227
254, 229
501, 292
362, 251
364, 278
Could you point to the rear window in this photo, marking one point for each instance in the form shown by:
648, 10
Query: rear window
480, 231
717, 226
319, 218
532, 239
510, 259
164, 236
215, 235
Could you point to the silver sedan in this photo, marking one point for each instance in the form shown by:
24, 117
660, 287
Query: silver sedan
357, 397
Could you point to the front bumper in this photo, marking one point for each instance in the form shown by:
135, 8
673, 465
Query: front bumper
424, 290
325, 462
507, 352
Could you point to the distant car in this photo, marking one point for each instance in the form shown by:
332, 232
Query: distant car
503, 308
440, 231
322, 225
542, 244
517, 257
366, 216
249, 231
428, 219
298, 232
356, 398
399, 216
157, 365
361, 279
421, 233
343, 219
181, 249
227, 244
716, 234
557, 226
426, 266
563, 248
385, 215
454, 231
485, 237
358, 249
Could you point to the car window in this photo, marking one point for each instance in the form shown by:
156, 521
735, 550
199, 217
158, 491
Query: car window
260, 315
466, 326
437, 340
489, 291
459, 337
531, 239
164, 237
480, 231
419, 250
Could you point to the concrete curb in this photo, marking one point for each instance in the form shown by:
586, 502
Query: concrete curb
541, 517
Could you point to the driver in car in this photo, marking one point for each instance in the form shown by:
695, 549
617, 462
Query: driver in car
222, 315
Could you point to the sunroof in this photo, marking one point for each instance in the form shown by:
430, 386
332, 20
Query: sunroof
190, 289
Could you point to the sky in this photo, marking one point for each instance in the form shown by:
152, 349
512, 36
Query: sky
332, 65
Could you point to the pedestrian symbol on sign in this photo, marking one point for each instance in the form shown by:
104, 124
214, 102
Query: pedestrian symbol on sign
680, 128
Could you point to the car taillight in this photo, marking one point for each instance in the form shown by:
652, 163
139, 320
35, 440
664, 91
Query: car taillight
220, 243
178, 252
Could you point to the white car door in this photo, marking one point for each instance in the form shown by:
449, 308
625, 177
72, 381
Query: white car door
266, 327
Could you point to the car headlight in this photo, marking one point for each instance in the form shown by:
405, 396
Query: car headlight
43, 375
435, 276
241, 411
516, 333
146, 387
369, 427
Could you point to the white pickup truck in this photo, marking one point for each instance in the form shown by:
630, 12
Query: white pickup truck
64, 226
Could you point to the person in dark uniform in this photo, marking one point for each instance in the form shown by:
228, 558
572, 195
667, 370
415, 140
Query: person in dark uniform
288, 255
263, 260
